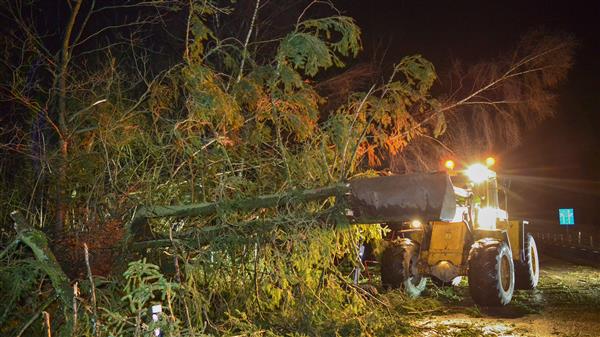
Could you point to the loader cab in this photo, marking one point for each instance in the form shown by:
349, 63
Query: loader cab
483, 203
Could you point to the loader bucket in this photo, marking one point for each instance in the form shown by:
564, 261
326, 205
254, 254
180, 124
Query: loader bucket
427, 197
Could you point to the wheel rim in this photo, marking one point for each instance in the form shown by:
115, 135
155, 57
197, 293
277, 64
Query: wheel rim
505, 273
534, 259
415, 280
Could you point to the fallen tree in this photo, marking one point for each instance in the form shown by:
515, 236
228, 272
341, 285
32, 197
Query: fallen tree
232, 117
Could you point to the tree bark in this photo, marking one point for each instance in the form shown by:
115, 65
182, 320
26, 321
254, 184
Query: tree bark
136, 226
62, 118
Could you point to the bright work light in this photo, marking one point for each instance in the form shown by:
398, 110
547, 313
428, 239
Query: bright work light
490, 161
486, 218
449, 164
415, 224
478, 173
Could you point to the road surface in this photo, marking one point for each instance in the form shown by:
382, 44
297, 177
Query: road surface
566, 303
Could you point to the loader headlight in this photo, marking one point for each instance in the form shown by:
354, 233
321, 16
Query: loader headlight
478, 173
415, 224
486, 218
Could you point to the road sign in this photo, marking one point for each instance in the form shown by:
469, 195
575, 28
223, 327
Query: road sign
566, 216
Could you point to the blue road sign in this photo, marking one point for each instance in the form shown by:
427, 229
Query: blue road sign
566, 216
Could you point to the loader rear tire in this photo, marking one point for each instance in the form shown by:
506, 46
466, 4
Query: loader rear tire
527, 271
491, 273
399, 267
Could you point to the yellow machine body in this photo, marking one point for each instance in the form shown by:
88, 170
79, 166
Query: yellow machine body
445, 245
447, 242
515, 231
477, 240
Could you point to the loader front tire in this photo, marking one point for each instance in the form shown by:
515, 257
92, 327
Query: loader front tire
399, 267
491, 273
527, 271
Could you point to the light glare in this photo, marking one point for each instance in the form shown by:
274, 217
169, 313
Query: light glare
415, 224
486, 218
478, 173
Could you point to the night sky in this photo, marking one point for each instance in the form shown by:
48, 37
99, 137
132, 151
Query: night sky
558, 163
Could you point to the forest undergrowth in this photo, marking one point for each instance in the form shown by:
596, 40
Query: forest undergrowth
109, 120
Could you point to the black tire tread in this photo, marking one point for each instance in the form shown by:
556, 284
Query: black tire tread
525, 277
395, 264
483, 274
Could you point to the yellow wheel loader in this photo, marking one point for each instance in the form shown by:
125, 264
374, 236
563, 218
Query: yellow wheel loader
445, 226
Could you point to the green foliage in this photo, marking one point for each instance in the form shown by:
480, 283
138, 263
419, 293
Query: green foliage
143, 282
200, 32
208, 103
19, 279
388, 118
419, 75
305, 51
308, 47
199, 132
349, 34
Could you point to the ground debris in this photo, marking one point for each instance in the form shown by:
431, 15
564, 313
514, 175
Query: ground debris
566, 303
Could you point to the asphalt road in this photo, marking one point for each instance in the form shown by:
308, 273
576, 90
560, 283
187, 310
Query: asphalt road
566, 303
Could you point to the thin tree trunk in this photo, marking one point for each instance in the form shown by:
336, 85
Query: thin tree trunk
62, 118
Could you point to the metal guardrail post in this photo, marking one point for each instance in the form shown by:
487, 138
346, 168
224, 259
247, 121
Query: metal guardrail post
580, 239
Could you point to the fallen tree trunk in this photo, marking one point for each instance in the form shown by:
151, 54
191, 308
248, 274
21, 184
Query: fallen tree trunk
38, 243
206, 235
370, 200
137, 225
